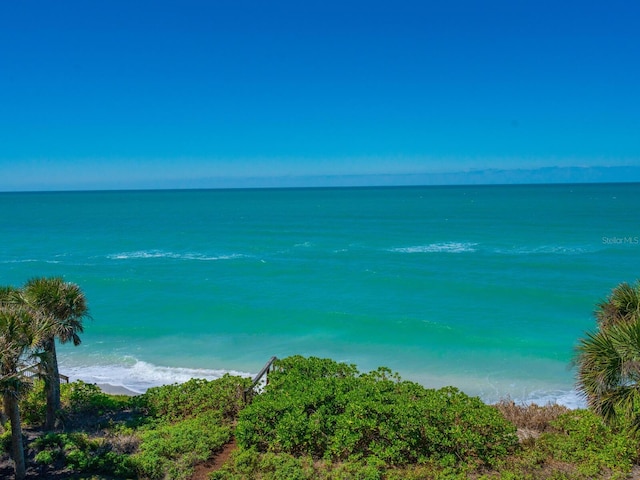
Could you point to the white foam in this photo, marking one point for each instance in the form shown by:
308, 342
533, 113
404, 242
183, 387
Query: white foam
444, 247
30, 260
570, 399
139, 376
151, 254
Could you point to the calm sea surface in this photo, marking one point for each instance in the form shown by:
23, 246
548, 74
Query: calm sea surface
486, 288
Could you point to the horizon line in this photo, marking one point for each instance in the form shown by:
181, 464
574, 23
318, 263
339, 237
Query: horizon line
490, 176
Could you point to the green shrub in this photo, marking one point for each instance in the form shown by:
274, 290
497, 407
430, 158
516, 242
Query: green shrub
576, 445
46, 457
173, 449
189, 399
81, 397
76, 398
284, 467
584, 440
5, 438
325, 409
252, 465
82, 454
184, 424
243, 464
33, 405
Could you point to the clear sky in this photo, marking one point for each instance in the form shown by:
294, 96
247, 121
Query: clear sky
155, 94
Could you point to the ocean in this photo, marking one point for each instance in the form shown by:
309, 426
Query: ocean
486, 288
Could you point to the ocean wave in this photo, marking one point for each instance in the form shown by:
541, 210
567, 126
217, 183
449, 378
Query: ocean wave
139, 376
567, 398
23, 260
152, 254
29, 260
444, 247
570, 399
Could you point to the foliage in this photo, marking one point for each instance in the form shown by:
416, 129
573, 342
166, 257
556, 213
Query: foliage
5, 438
77, 398
173, 449
22, 331
367, 425
249, 464
583, 439
189, 399
64, 306
81, 397
186, 423
253, 465
607, 359
32, 404
82, 454
621, 306
576, 445
324, 409
62, 302
169, 444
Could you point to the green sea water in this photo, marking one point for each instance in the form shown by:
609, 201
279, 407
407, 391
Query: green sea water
486, 288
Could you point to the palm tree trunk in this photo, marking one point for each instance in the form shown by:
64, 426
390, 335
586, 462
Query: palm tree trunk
52, 385
17, 447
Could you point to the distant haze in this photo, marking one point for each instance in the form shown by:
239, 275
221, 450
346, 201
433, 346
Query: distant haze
472, 177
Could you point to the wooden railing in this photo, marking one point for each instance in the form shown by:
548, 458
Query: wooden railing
263, 373
34, 370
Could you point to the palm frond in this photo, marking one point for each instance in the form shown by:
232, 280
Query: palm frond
63, 302
621, 306
608, 360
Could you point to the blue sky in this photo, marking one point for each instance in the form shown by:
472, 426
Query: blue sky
160, 94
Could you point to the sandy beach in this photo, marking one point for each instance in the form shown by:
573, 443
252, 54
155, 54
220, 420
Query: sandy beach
116, 389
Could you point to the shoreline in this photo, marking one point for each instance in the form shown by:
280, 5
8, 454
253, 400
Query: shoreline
134, 379
135, 376
111, 389
570, 400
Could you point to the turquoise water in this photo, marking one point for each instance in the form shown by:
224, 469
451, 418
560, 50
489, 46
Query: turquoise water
483, 287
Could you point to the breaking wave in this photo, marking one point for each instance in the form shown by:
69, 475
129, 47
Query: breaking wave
138, 376
152, 254
444, 247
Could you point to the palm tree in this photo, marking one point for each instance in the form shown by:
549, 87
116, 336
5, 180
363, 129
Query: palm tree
65, 305
608, 359
20, 332
609, 372
622, 305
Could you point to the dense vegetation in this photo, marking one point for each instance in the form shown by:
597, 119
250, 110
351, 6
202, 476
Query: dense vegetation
161, 434
330, 411
319, 419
